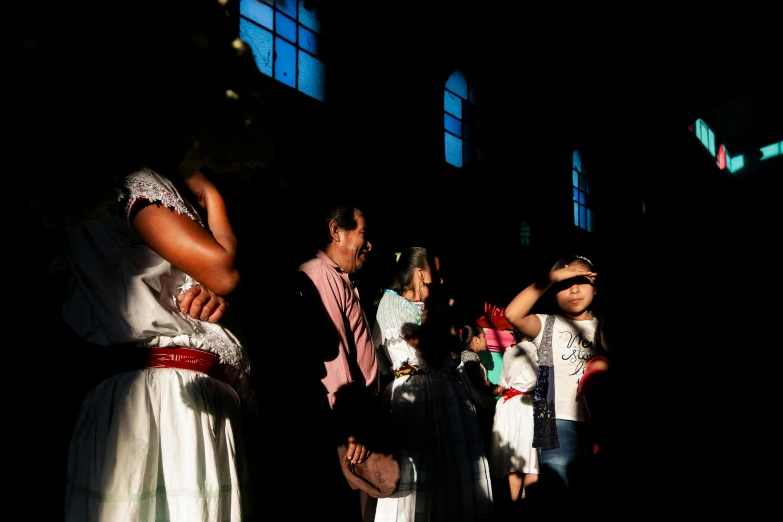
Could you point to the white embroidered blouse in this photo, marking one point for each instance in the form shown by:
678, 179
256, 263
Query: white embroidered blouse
395, 319
122, 291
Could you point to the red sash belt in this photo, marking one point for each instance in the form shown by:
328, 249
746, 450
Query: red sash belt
186, 359
513, 392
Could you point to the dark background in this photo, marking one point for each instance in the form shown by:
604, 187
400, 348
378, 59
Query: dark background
697, 278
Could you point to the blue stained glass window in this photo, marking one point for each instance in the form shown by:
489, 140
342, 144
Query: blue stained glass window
459, 120
583, 214
308, 40
277, 31
260, 42
452, 104
285, 27
311, 76
453, 150
287, 6
285, 62
452, 124
308, 18
260, 13
458, 84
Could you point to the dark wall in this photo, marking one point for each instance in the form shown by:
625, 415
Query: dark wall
692, 272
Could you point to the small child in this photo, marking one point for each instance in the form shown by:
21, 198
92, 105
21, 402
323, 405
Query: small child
474, 375
512, 453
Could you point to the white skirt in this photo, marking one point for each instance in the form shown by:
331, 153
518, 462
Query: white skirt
512, 448
158, 444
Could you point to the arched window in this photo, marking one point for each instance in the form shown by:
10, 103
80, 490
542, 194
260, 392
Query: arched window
460, 120
285, 36
583, 213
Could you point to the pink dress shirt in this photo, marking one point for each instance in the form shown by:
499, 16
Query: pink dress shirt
341, 301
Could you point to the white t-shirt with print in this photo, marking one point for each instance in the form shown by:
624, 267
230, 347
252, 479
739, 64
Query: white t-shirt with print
572, 346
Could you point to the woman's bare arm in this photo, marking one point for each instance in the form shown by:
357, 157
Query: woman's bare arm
208, 256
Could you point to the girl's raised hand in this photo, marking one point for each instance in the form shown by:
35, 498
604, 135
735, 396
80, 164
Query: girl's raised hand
570, 272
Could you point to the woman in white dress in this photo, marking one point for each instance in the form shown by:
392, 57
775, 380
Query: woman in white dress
150, 260
164, 441
444, 470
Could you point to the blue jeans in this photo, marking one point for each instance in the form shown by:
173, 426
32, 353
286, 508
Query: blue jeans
576, 447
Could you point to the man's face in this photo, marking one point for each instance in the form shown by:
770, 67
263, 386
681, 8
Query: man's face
355, 245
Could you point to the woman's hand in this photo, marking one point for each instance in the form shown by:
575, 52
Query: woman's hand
202, 303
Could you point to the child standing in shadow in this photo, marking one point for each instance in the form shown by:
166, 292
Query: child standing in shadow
512, 457
475, 376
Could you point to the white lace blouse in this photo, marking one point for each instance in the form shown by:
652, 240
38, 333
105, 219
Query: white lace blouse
122, 291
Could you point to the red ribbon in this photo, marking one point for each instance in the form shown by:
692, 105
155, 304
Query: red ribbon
513, 392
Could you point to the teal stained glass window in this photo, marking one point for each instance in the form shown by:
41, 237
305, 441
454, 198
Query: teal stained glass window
734, 164
705, 135
460, 121
772, 150
524, 234
284, 36
583, 213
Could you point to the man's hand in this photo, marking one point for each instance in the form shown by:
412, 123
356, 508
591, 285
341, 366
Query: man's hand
357, 452
202, 303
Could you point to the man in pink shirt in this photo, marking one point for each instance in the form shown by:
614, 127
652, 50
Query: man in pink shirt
342, 339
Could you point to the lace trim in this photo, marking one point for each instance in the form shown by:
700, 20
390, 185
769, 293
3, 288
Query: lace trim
470, 356
230, 352
147, 187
